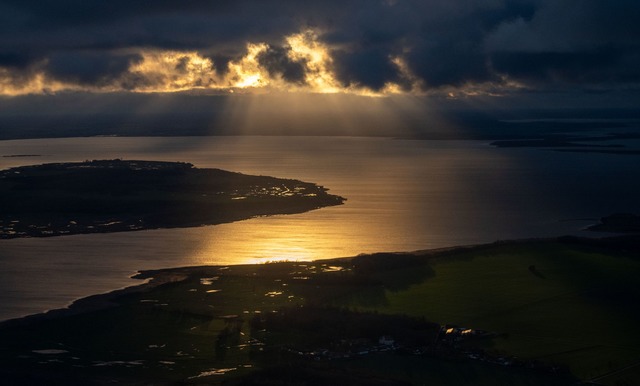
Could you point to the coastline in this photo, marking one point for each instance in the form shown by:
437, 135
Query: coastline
92, 302
104, 196
155, 278
202, 322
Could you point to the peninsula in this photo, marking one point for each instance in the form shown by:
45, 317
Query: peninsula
116, 195
531, 312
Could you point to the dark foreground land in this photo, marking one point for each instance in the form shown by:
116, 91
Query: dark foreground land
538, 312
115, 195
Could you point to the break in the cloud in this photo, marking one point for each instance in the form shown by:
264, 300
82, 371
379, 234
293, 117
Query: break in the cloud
356, 46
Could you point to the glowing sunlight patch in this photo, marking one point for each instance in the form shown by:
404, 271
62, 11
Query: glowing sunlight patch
247, 72
164, 71
306, 48
34, 83
168, 71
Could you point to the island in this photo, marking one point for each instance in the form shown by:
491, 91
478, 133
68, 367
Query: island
116, 195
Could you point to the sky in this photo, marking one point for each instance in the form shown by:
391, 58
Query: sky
499, 52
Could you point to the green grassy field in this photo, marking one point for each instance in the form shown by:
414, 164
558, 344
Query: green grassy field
577, 307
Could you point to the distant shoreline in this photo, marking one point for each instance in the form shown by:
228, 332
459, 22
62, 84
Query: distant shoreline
21, 155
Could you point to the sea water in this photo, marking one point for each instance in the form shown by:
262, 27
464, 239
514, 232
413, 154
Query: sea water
402, 195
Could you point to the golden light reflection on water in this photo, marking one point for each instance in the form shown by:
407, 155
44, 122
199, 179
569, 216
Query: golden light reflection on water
389, 195
298, 237
280, 248
402, 195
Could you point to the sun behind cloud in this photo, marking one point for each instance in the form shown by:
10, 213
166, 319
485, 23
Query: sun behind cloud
169, 71
302, 64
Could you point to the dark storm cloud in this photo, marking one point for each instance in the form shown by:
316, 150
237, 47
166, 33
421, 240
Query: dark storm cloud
455, 56
79, 12
371, 68
444, 64
277, 62
160, 23
88, 68
442, 42
583, 42
221, 61
15, 59
543, 44
574, 67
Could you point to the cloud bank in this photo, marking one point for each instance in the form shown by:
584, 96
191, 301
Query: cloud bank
367, 47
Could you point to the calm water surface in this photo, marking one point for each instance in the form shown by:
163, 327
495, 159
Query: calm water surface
402, 195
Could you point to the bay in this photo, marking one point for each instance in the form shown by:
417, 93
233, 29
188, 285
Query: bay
402, 195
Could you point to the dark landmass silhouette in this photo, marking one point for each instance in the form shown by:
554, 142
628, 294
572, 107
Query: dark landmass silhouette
618, 223
575, 142
115, 195
463, 315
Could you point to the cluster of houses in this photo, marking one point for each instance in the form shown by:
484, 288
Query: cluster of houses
14, 228
449, 343
348, 348
453, 337
454, 334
